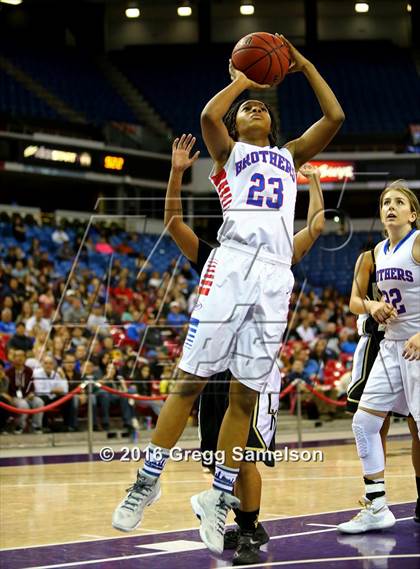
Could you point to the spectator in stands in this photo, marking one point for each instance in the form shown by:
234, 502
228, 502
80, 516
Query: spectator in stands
135, 329
77, 338
22, 391
348, 341
97, 320
105, 399
51, 386
4, 398
65, 252
76, 312
20, 341
155, 279
317, 359
59, 236
123, 295
37, 321
103, 247
19, 271
7, 302
7, 326
18, 228
144, 387
16, 291
47, 301
297, 372
57, 349
74, 378
80, 355
305, 331
175, 317
332, 338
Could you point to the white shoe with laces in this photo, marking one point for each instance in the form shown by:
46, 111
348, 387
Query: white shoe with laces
129, 513
211, 508
373, 516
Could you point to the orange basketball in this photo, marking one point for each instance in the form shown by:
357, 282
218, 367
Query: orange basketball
263, 57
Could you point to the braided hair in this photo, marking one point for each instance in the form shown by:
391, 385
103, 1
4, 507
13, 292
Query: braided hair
230, 122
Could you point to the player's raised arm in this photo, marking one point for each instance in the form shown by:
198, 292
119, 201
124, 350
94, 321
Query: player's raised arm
181, 233
315, 222
215, 134
318, 136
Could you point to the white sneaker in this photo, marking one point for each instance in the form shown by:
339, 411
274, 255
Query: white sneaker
211, 508
373, 515
128, 514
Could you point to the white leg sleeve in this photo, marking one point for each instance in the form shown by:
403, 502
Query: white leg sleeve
366, 429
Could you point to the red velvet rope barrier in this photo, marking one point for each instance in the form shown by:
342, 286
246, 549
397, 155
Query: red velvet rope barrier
325, 398
130, 395
287, 390
48, 407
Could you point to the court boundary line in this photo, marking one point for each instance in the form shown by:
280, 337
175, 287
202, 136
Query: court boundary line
123, 536
267, 564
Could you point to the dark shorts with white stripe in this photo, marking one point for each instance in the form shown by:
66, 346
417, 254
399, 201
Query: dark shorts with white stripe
368, 358
213, 404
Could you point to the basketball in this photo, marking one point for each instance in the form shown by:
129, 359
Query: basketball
263, 57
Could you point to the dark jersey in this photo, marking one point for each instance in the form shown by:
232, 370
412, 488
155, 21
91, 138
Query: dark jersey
370, 326
204, 250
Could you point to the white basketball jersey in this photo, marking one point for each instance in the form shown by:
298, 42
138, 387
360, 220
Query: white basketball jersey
398, 279
257, 191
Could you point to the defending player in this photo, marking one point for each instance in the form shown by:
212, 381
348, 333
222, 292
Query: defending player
214, 399
245, 287
394, 382
371, 334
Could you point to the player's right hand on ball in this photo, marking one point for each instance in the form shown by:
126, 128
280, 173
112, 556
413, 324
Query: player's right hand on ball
236, 74
181, 149
382, 312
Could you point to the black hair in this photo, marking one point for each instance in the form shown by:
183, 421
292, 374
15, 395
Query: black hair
230, 122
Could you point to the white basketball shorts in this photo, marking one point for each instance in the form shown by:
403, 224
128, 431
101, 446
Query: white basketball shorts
240, 316
394, 382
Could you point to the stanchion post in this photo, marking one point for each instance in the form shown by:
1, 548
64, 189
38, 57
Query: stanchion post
90, 416
299, 412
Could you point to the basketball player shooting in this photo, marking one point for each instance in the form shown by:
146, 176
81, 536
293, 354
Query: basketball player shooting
245, 286
247, 538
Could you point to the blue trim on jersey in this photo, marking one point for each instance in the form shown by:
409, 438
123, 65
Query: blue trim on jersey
192, 331
403, 240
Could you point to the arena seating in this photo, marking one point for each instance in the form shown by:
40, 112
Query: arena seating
74, 78
379, 95
323, 266
17, 101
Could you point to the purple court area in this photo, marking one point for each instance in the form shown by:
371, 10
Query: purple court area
297, 542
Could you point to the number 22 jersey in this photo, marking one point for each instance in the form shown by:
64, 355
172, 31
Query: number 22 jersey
257, 192
398, 280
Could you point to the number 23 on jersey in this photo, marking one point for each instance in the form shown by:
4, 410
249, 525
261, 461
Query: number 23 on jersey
274, 185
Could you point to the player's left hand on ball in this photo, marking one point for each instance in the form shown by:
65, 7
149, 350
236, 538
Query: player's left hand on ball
236, 74
298, 61
309, 171
411, 350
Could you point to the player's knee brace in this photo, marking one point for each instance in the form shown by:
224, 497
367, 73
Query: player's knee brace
366, 429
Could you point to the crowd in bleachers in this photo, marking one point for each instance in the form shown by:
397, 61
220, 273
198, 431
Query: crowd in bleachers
119, 316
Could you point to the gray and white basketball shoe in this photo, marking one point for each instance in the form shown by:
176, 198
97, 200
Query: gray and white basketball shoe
211, 508
129, 513
373, 516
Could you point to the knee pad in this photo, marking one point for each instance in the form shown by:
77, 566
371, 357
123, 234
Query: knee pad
366, 429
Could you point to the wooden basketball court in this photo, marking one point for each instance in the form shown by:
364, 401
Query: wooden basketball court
65, 502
